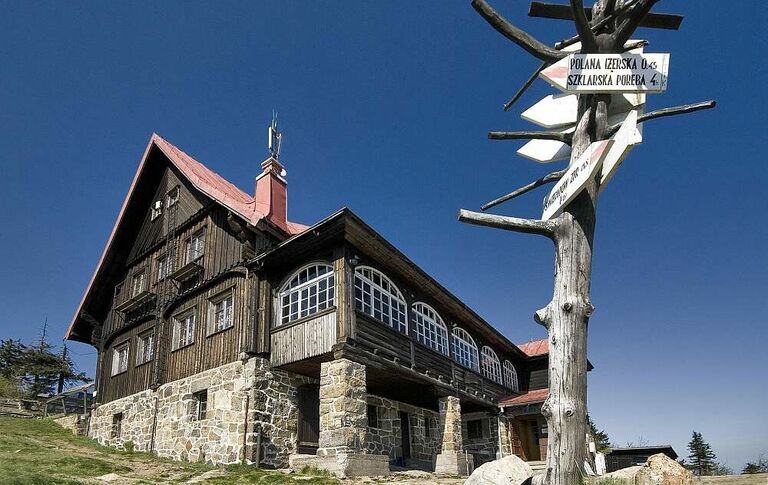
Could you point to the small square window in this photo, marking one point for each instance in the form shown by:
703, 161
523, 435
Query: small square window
220, 315
173, 197
373, 416
195, 247
157, 209
475, 429
138, 283
120, 359
145, 348
200, 405
117, 425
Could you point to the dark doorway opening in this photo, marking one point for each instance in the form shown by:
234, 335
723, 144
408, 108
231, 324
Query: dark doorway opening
405, 433
309, 419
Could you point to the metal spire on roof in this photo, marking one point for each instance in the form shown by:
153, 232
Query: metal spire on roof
275, 138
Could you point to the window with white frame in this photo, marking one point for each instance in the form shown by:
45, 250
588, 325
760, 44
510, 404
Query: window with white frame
465, 349
120, 358
157, 209
145, 347
200, 403
430, 329
173, 197
491, 365
308, 291
377, 296
184, 329
138, 283
195, 247
164, 266
220, 312
510, 376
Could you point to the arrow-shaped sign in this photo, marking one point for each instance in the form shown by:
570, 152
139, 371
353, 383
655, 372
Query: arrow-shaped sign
548, 151
622, 145
575, 179
609, 73
560, 110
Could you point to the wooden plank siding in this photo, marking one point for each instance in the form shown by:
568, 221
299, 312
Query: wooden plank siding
136, 378
303, 340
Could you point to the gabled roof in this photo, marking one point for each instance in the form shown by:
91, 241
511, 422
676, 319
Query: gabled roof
203, 179
535, 396
535, 348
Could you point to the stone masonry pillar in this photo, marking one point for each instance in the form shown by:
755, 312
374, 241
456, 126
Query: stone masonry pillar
343, 418
452, 458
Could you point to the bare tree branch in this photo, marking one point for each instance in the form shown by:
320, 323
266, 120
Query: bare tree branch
527, 226
527, 85
547, 179
597, 26
634, 16
531, 135
587, 37
515, 34
636, 45
663, 113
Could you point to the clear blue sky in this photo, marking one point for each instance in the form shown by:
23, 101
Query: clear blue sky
385, 108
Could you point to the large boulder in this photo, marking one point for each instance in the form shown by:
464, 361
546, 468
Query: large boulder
658, 470
509, 470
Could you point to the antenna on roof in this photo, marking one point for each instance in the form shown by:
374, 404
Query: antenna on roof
275, 138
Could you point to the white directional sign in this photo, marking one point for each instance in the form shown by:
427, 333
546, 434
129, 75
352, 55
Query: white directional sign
580, 172
560, 110
608, 73
548, 151
622, 145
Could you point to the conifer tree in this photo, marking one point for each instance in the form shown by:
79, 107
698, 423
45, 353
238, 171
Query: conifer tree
602, 442
702, 458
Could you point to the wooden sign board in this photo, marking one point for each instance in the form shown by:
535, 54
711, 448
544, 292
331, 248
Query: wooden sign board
561, 110
575, 179
622, 145
549, 151
609, 73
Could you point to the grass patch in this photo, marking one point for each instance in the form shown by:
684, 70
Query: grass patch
40, 452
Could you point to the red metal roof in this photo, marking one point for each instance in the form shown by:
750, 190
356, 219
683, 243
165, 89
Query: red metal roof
531, 397
535, 348
202, 178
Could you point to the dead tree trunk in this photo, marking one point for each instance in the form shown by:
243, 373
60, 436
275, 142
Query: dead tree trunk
566, 317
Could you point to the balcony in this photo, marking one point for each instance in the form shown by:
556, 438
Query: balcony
135, 302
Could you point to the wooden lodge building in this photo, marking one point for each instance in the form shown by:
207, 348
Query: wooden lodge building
227, 334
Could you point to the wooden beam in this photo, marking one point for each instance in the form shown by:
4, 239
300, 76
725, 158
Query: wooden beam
564, 12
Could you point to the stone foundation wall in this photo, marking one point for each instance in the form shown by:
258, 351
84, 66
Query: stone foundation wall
243, 400
77, 423
138, 412
386, 439
274, 414
483, 449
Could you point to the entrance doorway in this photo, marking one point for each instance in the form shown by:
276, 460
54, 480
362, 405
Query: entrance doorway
309, 419
529, 439
405, 433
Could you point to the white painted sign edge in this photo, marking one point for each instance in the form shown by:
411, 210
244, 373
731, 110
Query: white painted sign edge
595, 153
621, 147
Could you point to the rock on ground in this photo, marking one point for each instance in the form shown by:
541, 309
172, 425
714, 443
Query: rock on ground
658, 470
510, 470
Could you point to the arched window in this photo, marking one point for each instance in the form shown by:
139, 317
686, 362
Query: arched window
430, 329
510, 376
491, 365
310, 290
464, 349
377, 296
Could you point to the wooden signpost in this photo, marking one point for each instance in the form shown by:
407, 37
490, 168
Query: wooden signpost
576, 178
605, 73
598, 75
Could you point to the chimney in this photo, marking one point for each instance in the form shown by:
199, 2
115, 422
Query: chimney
271, 195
